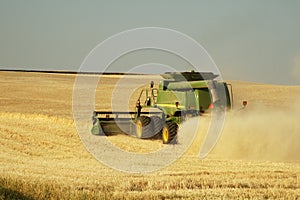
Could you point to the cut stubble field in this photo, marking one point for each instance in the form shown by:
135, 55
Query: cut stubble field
42, 156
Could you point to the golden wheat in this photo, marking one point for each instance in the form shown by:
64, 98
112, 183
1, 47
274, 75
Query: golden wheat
42, 156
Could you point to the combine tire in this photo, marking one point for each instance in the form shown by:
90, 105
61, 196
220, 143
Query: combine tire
157, 124
169, 133
143, 127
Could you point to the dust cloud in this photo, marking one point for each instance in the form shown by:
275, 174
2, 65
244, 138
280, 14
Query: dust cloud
261, 133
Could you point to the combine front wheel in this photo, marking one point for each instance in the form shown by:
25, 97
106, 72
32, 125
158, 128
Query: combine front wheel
169, 132
143, 127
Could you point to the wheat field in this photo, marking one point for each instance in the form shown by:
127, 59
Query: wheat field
42, 156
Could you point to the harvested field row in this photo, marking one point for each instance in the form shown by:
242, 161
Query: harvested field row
42, 155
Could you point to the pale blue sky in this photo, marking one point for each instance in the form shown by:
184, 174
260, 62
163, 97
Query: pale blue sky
248, 40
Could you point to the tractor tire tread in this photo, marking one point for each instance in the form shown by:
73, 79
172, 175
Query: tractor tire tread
157, 124
146, 126
173, 128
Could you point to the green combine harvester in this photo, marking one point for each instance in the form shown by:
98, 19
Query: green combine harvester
160, 111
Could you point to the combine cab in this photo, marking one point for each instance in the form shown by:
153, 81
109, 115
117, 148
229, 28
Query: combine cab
159, 111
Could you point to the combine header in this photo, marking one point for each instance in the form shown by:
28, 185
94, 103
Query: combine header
159, 111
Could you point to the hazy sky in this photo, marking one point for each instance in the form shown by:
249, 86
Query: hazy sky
255, 40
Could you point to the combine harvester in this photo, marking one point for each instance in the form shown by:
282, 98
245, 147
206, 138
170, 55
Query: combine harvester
160, 111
